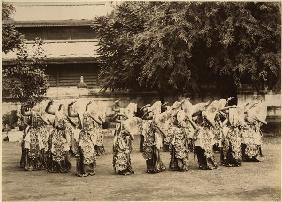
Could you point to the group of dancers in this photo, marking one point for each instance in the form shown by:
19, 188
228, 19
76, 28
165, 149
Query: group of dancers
182, 128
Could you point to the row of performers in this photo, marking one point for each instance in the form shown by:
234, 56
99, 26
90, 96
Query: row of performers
182, 128
50, 143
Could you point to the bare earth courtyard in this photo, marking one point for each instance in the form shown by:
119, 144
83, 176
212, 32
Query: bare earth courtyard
252, 181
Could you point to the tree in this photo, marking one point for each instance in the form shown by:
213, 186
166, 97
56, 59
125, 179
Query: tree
25, 81
118, 61
250, 43
11, 38
179, 45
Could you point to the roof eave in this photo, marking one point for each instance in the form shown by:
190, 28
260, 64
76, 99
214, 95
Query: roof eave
57, 60
51, 23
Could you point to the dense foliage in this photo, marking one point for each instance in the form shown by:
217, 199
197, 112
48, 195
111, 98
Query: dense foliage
11, 38
26, 80
180, 45
119, 61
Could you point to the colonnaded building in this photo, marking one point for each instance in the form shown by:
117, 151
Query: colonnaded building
70, 45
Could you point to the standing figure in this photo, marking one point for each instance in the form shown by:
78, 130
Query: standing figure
98, 126
74, 130
251, 142
151, 144
178, 147
45, 131
163, 122
25, 122
252, 150
217, 131
231, 155
143, 111
252, 136
122, 149
170, 114
33, 149
59, 142
168, 138
86, 162
204, 141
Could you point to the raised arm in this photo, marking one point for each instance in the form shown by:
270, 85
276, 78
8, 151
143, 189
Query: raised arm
70, 112
47, 110
228, 107
229, 99
114, 117
251, 106
193, 124
86, 107
71, 122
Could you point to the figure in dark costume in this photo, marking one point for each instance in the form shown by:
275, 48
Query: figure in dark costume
33, 145
59, 142
231, 155
152, 139
204, 141
178, 147
122, 149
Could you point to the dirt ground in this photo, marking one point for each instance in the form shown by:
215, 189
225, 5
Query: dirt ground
251, 181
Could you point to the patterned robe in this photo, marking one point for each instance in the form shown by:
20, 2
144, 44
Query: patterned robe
251, 142
99, 145
231, 150
151, 152
217, 131
87, 140
169, 135
205, 139
122, 148
45, 132
204, 148
86, 143
179, 149
33, 144
59, 146
149, 139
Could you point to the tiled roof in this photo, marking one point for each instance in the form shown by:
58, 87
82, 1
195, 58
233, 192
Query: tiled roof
32, 12
62, 50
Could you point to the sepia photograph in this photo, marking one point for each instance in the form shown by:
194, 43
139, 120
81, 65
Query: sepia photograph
141, 100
